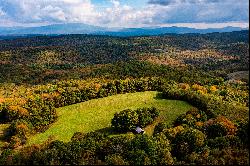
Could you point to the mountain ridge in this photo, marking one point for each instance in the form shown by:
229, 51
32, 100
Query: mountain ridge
79, 28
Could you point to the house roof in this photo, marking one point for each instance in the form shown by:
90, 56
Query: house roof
139, 130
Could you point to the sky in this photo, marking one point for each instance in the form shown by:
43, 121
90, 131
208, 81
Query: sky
126, 13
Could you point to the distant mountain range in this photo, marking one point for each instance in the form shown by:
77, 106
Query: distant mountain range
78, 28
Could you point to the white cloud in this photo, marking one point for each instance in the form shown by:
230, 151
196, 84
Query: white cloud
49, 10
124, 16
71, 1
116, 3
2, 13
156, 13
200, 11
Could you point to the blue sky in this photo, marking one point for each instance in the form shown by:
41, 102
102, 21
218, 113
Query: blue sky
126, 13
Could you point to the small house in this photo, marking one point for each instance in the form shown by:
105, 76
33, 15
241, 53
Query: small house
139, 130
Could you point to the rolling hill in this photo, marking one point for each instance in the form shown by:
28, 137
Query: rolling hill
79, 28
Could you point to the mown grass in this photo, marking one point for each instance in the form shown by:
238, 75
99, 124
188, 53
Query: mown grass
96, 114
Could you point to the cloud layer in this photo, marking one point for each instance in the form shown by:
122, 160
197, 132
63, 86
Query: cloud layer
197, 11
155, 12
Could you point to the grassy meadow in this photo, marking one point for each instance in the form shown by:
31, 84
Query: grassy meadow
96, 114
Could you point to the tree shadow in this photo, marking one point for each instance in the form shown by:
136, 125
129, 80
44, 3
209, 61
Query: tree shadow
159, 96
107, 131
111, 131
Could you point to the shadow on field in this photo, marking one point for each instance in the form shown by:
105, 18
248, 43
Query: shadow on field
159, 96
107, 130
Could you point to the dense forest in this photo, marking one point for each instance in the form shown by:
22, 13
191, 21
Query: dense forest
42, 73
41, 59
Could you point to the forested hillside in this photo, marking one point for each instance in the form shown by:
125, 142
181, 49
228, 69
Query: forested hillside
34, 59
51, 90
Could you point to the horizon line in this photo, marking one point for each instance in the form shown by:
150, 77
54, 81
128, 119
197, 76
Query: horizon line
184, 25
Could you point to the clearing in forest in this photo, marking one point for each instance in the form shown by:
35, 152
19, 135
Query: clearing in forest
96, 114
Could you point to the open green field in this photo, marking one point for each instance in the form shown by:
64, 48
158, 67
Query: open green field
96, 114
